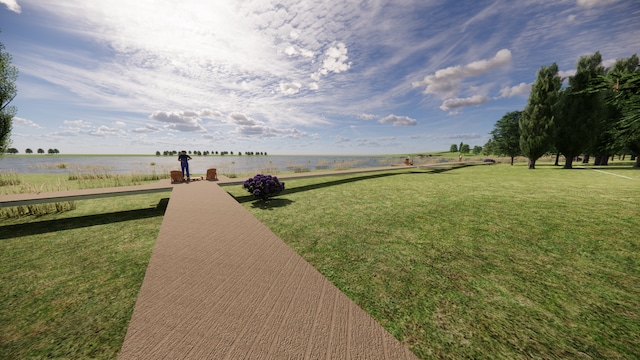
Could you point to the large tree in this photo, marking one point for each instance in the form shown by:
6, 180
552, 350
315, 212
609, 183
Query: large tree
8, 91
577, 122
622, 83
506, 135
536, 123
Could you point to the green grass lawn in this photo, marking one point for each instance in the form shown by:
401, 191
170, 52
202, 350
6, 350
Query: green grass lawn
480, 262
69, 281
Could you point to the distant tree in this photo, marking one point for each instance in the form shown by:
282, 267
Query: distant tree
8, 91
12, 151
506, 135
536, 123
464, 148
477, 150
157, 153
28, 151
40, 151
453, 148
579, 111
489, 148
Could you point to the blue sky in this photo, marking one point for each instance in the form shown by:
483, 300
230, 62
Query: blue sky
290, 76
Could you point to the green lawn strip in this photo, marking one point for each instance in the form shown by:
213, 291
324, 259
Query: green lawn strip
480, 262
69, 281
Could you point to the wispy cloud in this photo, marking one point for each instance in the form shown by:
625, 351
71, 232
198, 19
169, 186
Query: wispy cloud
25, 122
458, 103
446, 81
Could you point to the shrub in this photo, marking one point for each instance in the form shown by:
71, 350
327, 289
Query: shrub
263, 186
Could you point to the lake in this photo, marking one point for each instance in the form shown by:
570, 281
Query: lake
228, 164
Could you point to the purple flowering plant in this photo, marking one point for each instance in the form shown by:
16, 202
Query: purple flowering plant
263, 186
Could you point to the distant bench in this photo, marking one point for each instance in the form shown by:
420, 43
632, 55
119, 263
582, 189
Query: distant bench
84, 194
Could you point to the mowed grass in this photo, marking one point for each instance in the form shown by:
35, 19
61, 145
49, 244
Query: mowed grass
69, 281
480, 262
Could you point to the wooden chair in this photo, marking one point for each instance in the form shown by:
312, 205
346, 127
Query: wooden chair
176, 176
211, 174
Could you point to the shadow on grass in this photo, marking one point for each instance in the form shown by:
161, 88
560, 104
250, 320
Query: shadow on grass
248, 198
41, 227
271, 203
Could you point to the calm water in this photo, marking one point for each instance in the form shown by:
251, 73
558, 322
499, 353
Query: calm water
52, 164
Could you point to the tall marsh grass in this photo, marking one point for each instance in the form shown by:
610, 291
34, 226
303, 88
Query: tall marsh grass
36, 209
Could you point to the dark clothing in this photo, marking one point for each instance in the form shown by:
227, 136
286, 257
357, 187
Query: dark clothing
184, 163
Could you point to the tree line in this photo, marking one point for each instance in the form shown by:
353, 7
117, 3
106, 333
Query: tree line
205, 153
596, 115
29, 151
465, 149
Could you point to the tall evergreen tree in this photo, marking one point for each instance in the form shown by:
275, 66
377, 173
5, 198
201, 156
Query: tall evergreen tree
577, 119
536, 123
506, 135
623, 94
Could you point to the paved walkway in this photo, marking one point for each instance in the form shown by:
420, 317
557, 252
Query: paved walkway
221, 285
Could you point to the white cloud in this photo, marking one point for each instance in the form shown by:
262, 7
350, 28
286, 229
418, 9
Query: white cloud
25, 122
520, 89
335, 61
366, 116
446, 81
398, 120
290, 88
77, 123
242, 119
12, 5
185, 121
104, 131
146, 129
592, 3
457, 103
120, 123
566, 74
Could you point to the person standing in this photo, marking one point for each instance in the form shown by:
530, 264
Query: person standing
184, 164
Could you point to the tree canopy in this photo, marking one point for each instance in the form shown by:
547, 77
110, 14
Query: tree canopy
506, 135
536, 123
579, 111
8, 91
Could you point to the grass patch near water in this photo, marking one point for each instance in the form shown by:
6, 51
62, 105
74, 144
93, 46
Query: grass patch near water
479, 262
69, 281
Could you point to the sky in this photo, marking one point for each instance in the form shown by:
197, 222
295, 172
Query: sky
289, 77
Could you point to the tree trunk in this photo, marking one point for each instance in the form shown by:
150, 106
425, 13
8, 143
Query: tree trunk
557, 159
605, 160
637, 164
585, 160
532, 164
512, 161
568, 162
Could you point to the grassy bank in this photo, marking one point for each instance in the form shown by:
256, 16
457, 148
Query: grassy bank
480, 262
69, 281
